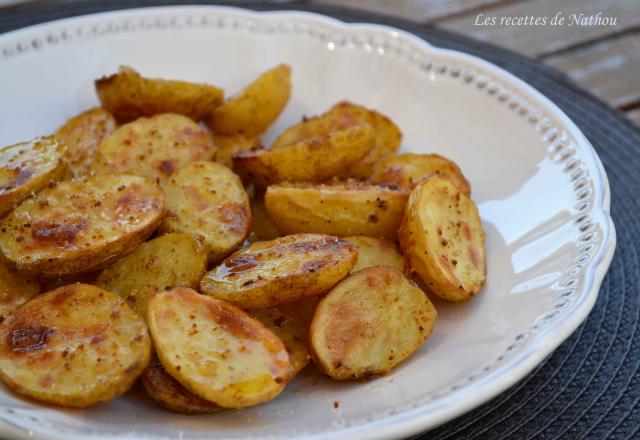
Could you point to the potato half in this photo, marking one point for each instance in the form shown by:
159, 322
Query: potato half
443, 239
228, 145
75, 346
341, 208
254, 109
369, 323
27, 167
129, 95
376, 252
153, 147
81, 225
286, 269
207, 200
216, 350
171, 260
14, 291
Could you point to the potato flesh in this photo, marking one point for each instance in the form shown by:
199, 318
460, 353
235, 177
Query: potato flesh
443, 239
14, 291
75, 346
228, 145
171, 260
376, 252
216, 350
207, 200
81, 225
282, 270
369, 323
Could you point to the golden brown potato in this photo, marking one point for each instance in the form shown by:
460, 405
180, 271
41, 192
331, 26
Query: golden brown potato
314, 159
343, 115
228, 145
207, 200
369, 323
172, 260
27, 167
340, 208
254, 109
216, 350
376, 252
262, 227
128, 95
282, 270
153, 147
14, 291
408, 169
81, 225
168, 392
75, 346
82, 135
442, 237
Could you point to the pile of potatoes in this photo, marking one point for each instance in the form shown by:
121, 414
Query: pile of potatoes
171, 247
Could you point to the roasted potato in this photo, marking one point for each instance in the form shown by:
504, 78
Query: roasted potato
75, 346
314, 159
168, 393
409, 169
339, 208
376, 252
254, 109
14, 291
228, 145
171, 260
128, 95
369, 323
82, 135
343, 115
282, 270
216, 350
81, 225
442, 237
262, 227
207, 200
153, 147
27, 167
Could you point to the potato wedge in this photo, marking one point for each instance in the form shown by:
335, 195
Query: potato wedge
129, 95
376, 252
409, 169
340, 116
442, 237
207, 200
27, 167
82, 135
254, 109
168, 393
81, 225
262, 227
369, 323
228, 145
171, 260
282, 270
14, 291
216, 350
75, 346
340, 208
153, 147
314, 159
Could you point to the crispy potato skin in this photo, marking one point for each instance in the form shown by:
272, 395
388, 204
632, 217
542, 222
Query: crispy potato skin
14, 291
369, 323
347, 208
388, 136
228, 145
171, 260
377, 252
27, 167
81, 225
442, 237
262, 227
408, 169
207, 200
153, 147
313, 159
82, 135
74, 347
128, 95
198, 338
255, 108
168, 393
282, 270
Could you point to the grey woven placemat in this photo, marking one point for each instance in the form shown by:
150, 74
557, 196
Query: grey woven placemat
590, 386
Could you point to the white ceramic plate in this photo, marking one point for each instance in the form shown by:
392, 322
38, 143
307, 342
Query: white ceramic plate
542, 192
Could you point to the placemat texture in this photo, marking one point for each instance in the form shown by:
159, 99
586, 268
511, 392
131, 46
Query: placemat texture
589, 388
